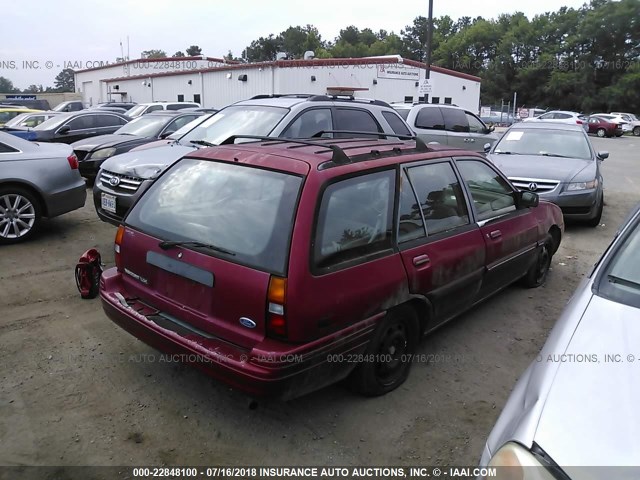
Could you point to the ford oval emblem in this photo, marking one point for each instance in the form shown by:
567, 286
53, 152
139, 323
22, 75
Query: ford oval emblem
247, 322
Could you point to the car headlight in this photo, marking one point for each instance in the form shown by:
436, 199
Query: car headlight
513, 461
582, 185
102, 153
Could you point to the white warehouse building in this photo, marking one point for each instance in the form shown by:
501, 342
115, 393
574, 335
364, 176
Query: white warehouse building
216, 83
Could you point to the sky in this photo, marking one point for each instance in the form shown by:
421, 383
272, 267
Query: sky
72, 32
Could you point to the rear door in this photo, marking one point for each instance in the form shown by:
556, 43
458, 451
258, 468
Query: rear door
510, 233
442, 250
80, 127
107, 123
429, 124
457, 126
478, 136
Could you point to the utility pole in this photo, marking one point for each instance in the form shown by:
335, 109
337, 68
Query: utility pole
427, 70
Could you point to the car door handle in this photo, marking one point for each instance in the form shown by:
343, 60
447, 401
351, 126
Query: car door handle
421, 260
495, 234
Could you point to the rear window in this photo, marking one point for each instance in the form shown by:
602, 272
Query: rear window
244, 210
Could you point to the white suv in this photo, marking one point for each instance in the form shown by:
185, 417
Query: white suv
143, 108
562, 116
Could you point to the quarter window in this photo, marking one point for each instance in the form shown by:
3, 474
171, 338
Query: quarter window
355, 219
396, 123
491, 194
153, 108
309, 123
355, 120
4, 148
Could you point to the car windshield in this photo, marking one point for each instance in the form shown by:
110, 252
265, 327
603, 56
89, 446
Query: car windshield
188, 127
135, 111
16, 121
236, 120
548, 142
53, 122
620, 280
245, 212
145, 126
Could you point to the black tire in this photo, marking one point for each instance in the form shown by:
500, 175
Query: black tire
636, 131
18, 224
594, 222
388, 355
601, 132
537, 273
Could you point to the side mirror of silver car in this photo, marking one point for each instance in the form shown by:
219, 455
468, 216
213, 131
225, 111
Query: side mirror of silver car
603, 155
487, 147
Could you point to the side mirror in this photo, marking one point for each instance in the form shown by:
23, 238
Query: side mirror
603, 155
490, 128
528, 199
487, 147
64, 130
166, 134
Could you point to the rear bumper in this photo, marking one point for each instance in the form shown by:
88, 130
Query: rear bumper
67, 200
274, 369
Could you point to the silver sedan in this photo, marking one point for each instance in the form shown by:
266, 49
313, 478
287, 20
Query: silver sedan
36, 180
573, 413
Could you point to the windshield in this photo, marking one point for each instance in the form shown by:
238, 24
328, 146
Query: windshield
145, 126
236, 120
53, 122
188, 127
549, 142
244, 210
136, 111
620, 280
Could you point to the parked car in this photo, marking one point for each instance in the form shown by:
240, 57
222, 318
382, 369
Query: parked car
142, 108
450, 125
625, 126
9, 113
323, 251
572, 412
123, 178
74, 126
69, 106
26, 103
558, 162
632, 120
125, 105
561, 116
22, 124
603, 127
91, 152
200, 110
36, 180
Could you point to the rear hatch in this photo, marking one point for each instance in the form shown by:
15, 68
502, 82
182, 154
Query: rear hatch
243, 218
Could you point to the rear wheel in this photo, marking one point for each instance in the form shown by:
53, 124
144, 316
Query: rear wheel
537, 274
19, 214
636, 131
388, 357
601, 132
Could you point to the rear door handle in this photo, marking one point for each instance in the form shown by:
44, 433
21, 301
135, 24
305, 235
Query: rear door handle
421, 260
495, 234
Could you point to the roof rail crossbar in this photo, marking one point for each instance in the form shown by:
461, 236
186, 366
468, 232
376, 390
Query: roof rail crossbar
338, 157
420, 145
281, 95
347, 98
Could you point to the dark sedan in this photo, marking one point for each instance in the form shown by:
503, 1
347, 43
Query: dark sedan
91, 152
71, 127
603, 127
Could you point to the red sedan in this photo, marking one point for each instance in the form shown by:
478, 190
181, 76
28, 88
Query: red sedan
604, 128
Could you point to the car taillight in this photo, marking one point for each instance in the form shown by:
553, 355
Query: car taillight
579, 122
73, 161
116, 247
276, 300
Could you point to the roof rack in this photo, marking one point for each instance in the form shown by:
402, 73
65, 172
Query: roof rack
420, 145
281, 95
347, 98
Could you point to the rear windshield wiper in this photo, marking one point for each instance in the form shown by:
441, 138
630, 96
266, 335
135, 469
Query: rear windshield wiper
203, 142
624, 281
166, 245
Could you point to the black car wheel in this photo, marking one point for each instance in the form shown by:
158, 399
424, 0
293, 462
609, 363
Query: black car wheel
387, 360
636, 131
537, 273
19, 214
594, 222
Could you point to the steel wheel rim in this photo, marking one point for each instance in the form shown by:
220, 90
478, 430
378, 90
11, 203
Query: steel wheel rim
17, 216
394, 346
543, 264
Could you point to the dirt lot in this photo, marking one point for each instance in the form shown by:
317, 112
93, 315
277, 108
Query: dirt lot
77, 390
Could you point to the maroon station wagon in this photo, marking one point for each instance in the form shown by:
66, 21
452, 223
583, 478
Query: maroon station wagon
280, 267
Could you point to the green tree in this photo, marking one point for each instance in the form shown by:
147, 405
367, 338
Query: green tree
194, 51
154, 54
65, 81
6, 86
34, 89
178, 54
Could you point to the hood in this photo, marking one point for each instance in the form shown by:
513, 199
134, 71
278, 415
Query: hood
146, 163
155, 144
589, 416
536, 166
102, 141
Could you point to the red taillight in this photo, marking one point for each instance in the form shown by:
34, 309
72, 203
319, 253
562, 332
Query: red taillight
73, 161
116, 247
276, 300
579, 122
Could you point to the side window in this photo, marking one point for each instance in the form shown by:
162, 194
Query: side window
153, 108
440, 196
33, 121
396, 123
562, 116
455, 120
103, 121
355, 219
475, 125
430, 117
4, 148
491, 194
81, 123
546, 116
355, 120
593, 120
411, 223
177, 106
309, 123
180, 122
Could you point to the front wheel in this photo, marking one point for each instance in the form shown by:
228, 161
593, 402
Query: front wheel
537, 273
19, 214
636, 131
601, 132
594, 222
387, 360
